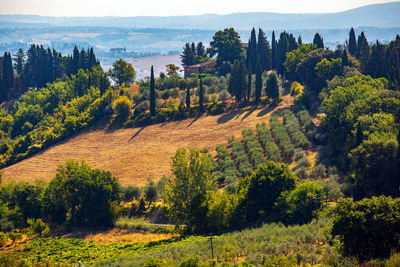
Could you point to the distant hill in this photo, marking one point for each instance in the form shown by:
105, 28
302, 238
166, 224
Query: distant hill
378, 15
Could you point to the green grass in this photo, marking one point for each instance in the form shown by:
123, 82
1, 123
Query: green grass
306, 243
58, 250
141, 224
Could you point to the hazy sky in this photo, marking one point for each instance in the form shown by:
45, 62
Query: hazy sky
173, 7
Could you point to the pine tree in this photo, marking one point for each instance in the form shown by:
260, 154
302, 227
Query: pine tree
272, 88
263, 51
201, 50
19, 61
352, 43
249, 82
376, 63
318, 41
188, 57
201, 96
193, 49
273, 51
152, 94
252, 50
258, 80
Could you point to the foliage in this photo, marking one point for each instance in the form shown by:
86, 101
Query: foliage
187, 192
281, 136
122, 107
253, 147
38, 226
293, 128
142, 224
81, 195
237, 81
264, 187
122, 72
369, 228
272, 86
271, 149
227, 46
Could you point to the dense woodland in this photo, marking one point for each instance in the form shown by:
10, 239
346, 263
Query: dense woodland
345, 205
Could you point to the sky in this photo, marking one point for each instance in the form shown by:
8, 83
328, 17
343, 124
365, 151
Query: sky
173, 7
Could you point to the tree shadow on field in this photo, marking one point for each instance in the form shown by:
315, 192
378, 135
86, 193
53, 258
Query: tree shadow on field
229, 116
137, 133
193, 121
266, 111
248, 114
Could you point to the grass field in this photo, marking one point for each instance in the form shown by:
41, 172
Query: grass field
135, 154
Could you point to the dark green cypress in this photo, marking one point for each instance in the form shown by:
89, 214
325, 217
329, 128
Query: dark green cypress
352, 43
19, 61
152, 94
252, 50
187, 97
345, 58
258, 80
363, 51
318, 41
249, 77
263, 51
8, 76
75, 60
201, 96
273, 51
272, 87
299, 40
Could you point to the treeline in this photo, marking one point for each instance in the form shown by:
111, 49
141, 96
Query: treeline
39, 66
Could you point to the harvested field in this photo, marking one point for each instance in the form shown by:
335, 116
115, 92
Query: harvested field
134, 154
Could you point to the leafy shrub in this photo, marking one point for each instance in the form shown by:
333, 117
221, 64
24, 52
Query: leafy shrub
281, 137
293, 128
3, 239
296, 89
141, 224
122, 107
319, 171
224, 95
38, 226
216, 108
299, 154
239, 155
254, 148
131, 192
302, 172
302, 163
271, 149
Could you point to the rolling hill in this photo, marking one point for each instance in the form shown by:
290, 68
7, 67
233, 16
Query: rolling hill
135, 154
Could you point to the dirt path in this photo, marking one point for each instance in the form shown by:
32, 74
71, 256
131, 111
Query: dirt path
133, 155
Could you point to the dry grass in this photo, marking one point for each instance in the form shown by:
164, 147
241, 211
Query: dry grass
120, 235
134, 154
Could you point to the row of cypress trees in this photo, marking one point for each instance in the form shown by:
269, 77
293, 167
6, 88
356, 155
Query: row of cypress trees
39, 66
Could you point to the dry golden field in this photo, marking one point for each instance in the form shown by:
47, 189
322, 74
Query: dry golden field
135, 154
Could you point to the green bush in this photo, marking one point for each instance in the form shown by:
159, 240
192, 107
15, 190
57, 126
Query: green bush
271, 149
131, 192
254, 148
281, 137
3, 239
293, 128
38, 226
122, 107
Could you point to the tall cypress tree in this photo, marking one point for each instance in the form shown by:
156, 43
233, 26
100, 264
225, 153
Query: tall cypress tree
318, 41
252, 50
273, 51
352, 43
345, 58
152, 94
75, 60
249, 77
187, 97
363, 51
201, 96
8, 76
263, 51
272, 87
299, 40
237, 81
258, 80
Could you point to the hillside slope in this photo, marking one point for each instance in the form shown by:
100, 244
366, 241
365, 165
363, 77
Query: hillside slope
134, 154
